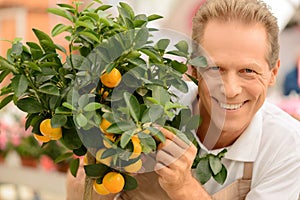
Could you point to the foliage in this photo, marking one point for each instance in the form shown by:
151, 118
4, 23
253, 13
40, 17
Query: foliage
71, 93
29, 147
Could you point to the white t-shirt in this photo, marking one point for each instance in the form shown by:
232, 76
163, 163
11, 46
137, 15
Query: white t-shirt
272, 142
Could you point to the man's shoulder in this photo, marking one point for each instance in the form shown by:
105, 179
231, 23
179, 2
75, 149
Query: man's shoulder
277, 120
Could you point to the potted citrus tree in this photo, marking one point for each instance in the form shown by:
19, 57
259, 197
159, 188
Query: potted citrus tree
105, 100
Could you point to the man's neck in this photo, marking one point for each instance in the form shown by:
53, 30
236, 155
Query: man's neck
214, 138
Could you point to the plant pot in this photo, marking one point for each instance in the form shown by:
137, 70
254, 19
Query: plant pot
27, 161
2, 159
62, 167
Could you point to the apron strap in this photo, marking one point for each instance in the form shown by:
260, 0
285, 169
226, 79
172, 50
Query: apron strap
248, 168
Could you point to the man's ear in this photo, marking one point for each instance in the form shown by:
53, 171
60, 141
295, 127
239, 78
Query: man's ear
274, 73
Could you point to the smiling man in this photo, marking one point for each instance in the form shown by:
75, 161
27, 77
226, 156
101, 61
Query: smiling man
239, 39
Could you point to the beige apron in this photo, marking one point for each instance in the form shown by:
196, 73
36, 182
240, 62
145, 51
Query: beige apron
239, 188
149, 188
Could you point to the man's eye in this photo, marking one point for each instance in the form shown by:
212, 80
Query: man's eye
248, 71
214, 68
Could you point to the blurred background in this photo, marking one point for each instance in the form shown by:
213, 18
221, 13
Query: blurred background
46, 180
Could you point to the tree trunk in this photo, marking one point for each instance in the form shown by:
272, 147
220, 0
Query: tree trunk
88, 184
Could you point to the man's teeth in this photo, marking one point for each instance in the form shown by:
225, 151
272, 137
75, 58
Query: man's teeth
231, 106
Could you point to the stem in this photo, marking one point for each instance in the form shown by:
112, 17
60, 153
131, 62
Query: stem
88, 184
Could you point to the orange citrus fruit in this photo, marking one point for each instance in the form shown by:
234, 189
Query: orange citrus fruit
104, 125
111, 137
100, 189
134, 167
105, 161
41, 138
146, 131
113, 182
111, 79
85, 160
137, 148
48, 131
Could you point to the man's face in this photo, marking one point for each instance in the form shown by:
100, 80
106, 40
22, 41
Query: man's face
234, 85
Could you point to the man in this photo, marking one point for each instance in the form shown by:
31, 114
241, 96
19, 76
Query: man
240, 41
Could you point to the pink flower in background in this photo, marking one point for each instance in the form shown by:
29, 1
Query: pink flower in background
15, 139
291, 105
47, 163
3, 140
12, 127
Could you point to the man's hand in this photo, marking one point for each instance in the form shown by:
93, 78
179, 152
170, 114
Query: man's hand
174, 161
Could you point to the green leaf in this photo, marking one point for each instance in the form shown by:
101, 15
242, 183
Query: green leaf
66, 6
96, 170
130, 182
152, 114
128, 9
147, 142
133, 106
70, 138
153, 55
86, 24
126, 136
178, 66
4, 64
62, 13
193, 122
29, 105
103, 7
162, 45
63, 111
179, 134
92, 106
63, 157
83, 100
3, 75
157, 133
108, 153
49, 88
121, 127
91, 35
60, 28
20, 85
161, 95
177, 53
215, 164
45, 41
179, 84
203, 172
222, 153
183, 47
80, 151
74, 165
68, 105
5, 101
199, 61
81, 120
170, 105
58, 121
221, 176
17, 49
141, 38
35, 50
32, 65
154, 17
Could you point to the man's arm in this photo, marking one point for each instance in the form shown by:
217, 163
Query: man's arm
75, 187
174, 161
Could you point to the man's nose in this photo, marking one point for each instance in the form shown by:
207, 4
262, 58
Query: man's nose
231, 85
